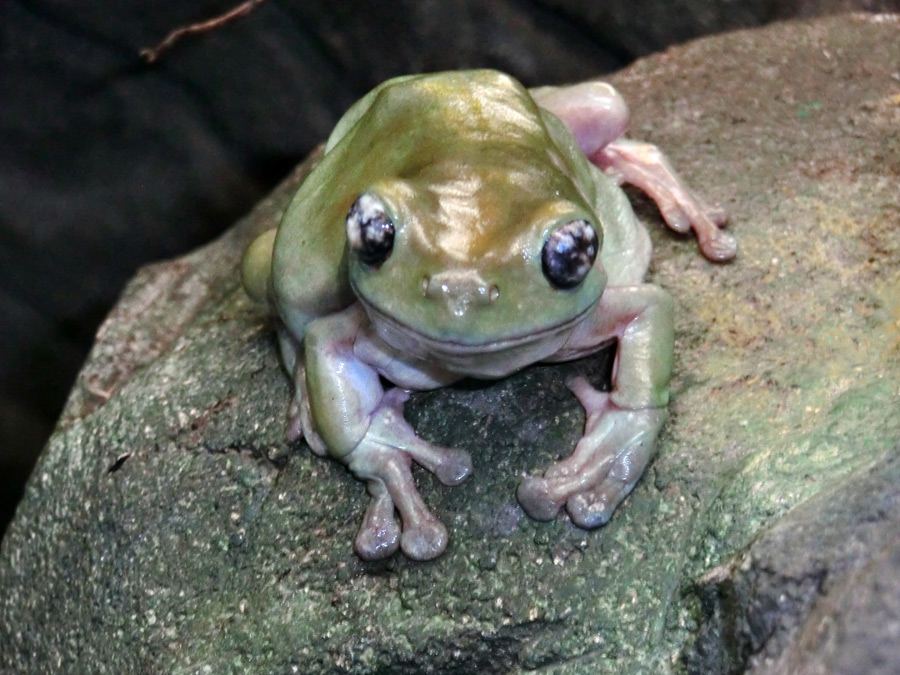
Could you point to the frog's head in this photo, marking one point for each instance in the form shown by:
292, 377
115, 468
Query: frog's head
479, 270
471, 233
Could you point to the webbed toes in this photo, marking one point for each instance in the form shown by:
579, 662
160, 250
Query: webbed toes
293, 430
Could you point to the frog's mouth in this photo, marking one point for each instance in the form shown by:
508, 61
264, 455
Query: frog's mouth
495, 356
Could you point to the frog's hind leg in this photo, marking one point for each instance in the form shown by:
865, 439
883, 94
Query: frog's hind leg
594, 112
597, 116
646, 167
299, 421
292, 360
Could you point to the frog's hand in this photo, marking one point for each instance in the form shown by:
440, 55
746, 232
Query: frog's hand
383, 459
607, 462
364, 427
622, 426
645, 166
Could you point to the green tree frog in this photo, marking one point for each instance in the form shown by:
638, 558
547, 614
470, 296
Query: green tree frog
455, 228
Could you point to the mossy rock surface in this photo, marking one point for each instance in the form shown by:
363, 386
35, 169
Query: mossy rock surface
169, 528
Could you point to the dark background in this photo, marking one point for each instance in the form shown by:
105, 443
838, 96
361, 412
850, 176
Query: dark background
107, 163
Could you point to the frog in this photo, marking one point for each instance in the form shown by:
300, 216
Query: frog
459, 225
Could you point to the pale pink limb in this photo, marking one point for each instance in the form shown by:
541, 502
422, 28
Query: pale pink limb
646, 167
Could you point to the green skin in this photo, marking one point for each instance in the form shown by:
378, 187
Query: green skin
474, 172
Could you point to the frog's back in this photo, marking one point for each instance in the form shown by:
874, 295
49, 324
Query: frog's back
411, 123
399, 127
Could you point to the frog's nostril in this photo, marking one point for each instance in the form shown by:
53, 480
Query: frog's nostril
459, 289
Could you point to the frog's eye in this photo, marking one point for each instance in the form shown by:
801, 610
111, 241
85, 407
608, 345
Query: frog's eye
569, 254
370, 230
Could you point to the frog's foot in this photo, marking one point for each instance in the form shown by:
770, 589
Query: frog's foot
383, 458
645, 166
604, 467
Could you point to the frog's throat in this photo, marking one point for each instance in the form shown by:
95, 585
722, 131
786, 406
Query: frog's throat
406, 338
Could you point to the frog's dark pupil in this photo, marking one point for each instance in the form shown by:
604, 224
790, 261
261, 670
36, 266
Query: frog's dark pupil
377, 240
569, 254
370, 231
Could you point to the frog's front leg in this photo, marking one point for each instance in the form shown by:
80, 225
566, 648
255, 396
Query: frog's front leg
621, 427
363, 426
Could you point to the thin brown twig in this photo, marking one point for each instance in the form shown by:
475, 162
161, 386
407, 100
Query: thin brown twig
151, 54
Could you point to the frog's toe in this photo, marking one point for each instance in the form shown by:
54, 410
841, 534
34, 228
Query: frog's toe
451, 466
424, 536
716, 245
593, 508
300, 424
717, 214
454, 467
379, 535
539, 499
674, 215
425, 539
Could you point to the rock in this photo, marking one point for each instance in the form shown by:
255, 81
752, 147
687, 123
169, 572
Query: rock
817, 592
159, 159
169, 527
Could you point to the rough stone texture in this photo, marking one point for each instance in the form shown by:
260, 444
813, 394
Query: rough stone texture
168, 528
108, 163
833, 609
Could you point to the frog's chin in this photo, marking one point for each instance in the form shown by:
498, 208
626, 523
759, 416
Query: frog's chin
497, 356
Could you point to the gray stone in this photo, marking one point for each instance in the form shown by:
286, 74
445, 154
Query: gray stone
169, 528
818, 592
109, 163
